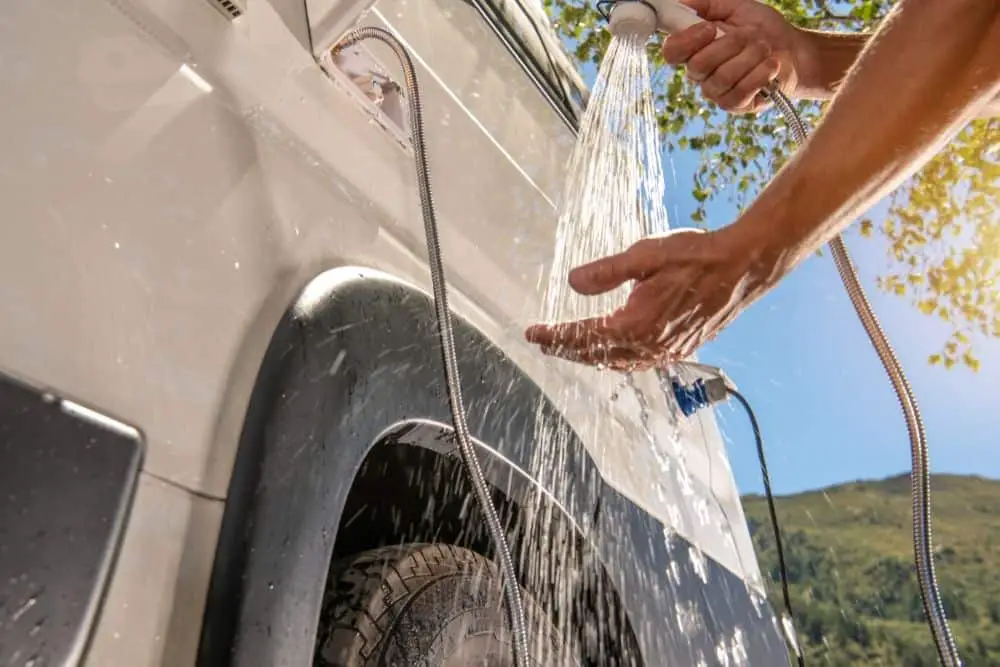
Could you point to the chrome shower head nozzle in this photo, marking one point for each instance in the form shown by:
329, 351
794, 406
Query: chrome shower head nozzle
632, 18
644, 17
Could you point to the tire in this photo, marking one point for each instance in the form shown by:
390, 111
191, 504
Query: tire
425, 605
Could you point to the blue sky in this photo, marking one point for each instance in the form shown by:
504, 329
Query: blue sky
826, 408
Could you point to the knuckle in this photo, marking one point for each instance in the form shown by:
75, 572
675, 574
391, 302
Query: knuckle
734, 104
673, 52
730, 101
762, 47
642, 247
745, 89
697, 67
726, 106
715, 87
723, 81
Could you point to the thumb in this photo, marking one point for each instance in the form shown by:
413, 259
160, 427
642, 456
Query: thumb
605, 274
712, 10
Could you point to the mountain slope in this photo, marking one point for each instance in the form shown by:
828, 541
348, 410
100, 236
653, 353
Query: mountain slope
854, 590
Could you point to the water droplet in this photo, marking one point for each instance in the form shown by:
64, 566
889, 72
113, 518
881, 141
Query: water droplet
23, 609
698, 563
738, 648
722, 653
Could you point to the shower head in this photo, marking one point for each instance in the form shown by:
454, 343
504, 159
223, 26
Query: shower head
644, 17
632, 18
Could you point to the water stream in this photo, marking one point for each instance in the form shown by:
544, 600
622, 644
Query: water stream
613, 194
612, 197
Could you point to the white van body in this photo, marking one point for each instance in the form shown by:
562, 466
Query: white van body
179, 177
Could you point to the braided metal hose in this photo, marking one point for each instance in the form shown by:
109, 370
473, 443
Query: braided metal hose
446, 334
923, 548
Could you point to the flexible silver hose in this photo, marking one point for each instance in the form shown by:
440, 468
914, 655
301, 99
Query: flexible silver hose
446, 334
923, 548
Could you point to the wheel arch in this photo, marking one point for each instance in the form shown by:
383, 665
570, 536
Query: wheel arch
352, 365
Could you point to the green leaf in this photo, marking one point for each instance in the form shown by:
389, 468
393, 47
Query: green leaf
927, 306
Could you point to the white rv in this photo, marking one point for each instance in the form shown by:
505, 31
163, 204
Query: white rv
224, 438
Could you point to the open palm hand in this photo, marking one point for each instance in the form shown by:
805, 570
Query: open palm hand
688, 285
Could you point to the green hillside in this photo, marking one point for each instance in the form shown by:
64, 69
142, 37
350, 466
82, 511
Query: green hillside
854, 591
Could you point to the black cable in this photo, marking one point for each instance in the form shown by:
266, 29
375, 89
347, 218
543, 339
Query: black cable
782, 570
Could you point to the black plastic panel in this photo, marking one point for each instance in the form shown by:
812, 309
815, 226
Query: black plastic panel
66, 483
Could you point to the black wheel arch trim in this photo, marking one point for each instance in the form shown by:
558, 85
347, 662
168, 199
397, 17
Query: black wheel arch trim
355, 355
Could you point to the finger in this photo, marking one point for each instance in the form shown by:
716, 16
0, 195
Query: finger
618, 358
729, 74
691, 345
698, 329
626, 360
606, 274
702, 64
595, 332
679, 47
743, 95
712, 10
758, 103
686, 345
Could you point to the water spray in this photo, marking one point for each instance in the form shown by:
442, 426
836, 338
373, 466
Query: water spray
642, 19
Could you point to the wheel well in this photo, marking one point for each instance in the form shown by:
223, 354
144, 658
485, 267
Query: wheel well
358, 351
409, 493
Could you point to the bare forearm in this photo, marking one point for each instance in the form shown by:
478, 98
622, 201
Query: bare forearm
930, 69
825, 58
